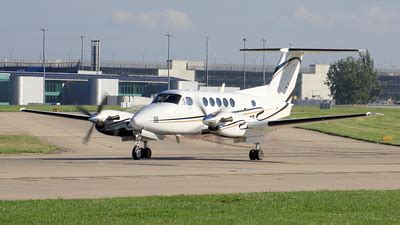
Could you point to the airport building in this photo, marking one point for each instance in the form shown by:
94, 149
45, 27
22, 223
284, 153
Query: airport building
21, 83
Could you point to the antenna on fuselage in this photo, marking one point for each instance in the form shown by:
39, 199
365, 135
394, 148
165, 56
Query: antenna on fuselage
222, 88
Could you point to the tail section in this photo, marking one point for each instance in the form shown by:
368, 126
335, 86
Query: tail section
286, 72
285, 75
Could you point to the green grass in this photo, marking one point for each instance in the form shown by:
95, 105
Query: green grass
317, 207
23, 143
371, 129
62, 108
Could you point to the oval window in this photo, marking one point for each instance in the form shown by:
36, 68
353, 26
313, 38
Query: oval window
253, 103
219, 103
205, 102
232, 102
189, 101
225, 102
212, 102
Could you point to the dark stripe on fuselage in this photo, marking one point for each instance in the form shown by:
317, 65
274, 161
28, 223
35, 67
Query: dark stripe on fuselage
286, 63
197, 117
280, 110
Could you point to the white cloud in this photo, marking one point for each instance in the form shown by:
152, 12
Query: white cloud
377, 19
367, 19
169, 18
177, 19
302, 13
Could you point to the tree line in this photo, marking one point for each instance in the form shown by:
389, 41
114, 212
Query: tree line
354, 80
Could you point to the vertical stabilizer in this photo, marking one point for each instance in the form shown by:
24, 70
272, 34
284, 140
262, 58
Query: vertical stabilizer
286, 72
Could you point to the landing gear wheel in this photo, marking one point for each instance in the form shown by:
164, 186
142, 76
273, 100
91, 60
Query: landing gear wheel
252, 154
259, 154
146, 153
136, 153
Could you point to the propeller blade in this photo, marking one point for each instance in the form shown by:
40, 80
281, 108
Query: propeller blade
83, 110
89, 133
102, 104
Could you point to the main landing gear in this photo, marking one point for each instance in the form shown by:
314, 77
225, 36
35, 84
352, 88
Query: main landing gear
141, 153
257, 153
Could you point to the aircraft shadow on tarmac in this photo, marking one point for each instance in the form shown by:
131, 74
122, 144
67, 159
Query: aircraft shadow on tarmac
183, 158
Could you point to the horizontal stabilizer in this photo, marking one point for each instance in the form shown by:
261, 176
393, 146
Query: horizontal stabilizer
304, 50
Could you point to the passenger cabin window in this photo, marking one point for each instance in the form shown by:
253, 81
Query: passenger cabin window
212, 102
189, 101
219, 103
167, 98
205, 102
253, 103
232, 102
225, 102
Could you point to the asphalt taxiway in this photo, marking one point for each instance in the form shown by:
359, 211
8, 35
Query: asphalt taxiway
294, 160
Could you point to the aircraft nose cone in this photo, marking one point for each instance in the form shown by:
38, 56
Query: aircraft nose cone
137, 121
209, 120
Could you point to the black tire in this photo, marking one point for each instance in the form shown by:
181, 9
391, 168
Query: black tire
259, 155
146, 153
252, 154
137, 153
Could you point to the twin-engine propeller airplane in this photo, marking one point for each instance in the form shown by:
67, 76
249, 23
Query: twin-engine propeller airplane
245, 115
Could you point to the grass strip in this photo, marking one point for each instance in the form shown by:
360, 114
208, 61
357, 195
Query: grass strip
311, 207
23, 143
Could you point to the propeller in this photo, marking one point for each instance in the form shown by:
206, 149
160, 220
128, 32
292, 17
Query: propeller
212, 120
93, 117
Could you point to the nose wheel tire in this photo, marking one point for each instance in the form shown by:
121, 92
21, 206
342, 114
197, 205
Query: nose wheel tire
252, 154
141, 153
136, 153
256, 154
146, 153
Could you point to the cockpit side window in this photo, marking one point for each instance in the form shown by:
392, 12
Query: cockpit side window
189, 101
170, 98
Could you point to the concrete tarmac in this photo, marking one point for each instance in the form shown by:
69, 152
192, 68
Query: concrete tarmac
294, 160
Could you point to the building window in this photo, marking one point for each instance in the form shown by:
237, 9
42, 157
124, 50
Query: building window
212, 102
205, 102
225, 102
232, 102
219, 103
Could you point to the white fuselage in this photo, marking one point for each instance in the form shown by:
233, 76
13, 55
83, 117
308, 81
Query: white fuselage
185, 116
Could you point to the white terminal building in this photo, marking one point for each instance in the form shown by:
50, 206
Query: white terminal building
22, 83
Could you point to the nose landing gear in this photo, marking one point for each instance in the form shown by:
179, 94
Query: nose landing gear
257, 153
141, 153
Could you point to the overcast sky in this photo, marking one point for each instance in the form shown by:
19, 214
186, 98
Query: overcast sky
131, 29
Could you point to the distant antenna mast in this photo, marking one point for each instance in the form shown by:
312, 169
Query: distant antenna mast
263, 41
207, 38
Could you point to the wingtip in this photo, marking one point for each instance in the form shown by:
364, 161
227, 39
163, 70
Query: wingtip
374, 114
21, 109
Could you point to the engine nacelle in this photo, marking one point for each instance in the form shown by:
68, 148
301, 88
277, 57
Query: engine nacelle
231, 125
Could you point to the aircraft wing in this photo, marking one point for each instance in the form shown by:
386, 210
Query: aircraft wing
59, 114
122, 125
300, 121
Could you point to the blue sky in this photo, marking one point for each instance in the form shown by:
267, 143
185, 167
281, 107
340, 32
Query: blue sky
131, 29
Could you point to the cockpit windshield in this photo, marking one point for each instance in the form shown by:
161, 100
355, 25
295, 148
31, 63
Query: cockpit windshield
171, 98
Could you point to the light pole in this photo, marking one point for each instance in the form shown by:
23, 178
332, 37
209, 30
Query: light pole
169, 78
82, 43
263, 41
11, 53
244, 63
43, 63
142, 57
207, 38
69, 55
